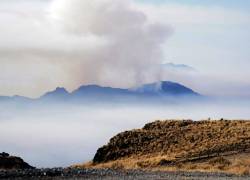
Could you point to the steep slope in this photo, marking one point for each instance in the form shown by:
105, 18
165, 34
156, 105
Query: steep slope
174, 143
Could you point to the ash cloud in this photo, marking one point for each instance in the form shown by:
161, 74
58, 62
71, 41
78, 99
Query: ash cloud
131, 46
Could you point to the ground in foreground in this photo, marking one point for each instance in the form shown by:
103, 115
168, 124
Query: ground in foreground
205, 146
108, 174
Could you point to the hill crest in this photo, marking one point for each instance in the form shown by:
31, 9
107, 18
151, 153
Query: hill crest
173, 144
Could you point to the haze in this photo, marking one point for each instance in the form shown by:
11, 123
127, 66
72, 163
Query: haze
45, 44
67, 43
62, 135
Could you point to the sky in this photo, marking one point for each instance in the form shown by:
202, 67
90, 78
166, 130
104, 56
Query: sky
242, 4
50, 43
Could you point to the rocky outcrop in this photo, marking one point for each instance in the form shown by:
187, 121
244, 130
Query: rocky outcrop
11, 162
179, 141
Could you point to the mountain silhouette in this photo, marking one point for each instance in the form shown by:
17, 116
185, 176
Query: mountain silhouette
95, 93
166, 88
56, 94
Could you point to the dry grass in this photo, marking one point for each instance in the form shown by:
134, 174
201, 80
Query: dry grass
236, 164
211, 146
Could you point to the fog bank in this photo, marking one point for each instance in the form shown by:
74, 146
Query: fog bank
65, 135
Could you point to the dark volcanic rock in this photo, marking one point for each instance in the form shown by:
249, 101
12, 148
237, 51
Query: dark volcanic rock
12, 162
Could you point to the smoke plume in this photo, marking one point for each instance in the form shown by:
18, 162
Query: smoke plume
128, 47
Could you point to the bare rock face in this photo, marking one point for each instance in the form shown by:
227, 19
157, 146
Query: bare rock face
8, 162
179, 140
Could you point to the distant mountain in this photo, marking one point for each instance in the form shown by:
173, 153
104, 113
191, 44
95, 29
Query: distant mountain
178, 67
95, 93
58, 93
16, 98
166, 88
4, 98
99, 90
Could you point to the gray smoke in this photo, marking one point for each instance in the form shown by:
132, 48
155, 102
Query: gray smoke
73, 42
128, 48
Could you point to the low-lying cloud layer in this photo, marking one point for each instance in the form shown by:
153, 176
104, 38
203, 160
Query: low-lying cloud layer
55, 136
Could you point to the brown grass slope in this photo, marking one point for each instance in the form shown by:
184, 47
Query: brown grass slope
177, 143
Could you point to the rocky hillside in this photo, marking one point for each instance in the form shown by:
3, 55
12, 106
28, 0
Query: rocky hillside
12, 162
171, 143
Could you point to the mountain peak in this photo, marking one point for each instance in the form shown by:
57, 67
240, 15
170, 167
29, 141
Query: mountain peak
61, 89
176, 88
166, 87
58, 92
